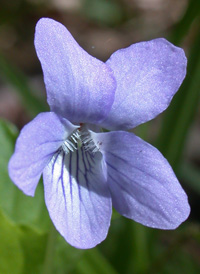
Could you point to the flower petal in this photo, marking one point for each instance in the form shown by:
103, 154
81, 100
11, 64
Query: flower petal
148, 75
142, 183
35, 146
79, 87
77, 198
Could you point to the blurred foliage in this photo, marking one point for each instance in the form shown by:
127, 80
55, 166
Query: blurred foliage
181, 112
183, 26
17, 79
108, 13
10, 249
29, 242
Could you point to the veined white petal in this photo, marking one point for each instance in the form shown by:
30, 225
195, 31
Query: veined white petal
77, 197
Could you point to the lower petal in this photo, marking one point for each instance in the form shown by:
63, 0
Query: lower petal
143, 186
77, 197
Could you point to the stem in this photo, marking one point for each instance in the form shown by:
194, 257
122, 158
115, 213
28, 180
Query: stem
140, 250
48, 260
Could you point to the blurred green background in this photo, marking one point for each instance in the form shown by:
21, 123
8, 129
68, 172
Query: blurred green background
28, 242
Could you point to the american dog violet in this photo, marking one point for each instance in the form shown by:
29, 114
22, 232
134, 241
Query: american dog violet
87, 171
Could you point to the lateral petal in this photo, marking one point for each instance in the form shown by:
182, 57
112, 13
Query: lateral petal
148, 74
79, 87
77, 197
143, 186
35, 146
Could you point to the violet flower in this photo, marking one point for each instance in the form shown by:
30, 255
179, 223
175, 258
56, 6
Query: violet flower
86, 171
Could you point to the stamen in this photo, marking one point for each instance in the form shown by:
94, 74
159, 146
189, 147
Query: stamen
81, 137
71, 144
89, 144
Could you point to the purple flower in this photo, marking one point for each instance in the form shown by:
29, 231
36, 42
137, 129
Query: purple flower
85, 170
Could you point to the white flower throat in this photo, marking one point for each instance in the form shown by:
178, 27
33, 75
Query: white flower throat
81, 137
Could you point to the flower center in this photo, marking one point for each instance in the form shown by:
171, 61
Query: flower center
79, 138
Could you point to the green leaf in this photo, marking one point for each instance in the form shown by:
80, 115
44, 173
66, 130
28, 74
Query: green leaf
22, 248
20, 208
11, 254
33, 245
93, 261
139, 238
66, 257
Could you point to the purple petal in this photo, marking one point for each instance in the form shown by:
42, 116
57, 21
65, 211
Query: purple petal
79, 87
142, 184
148, 75
35, 146
77, 198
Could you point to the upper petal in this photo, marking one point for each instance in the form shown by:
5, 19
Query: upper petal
148, 75
79, 87
77, 198
35, 146
143, 185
